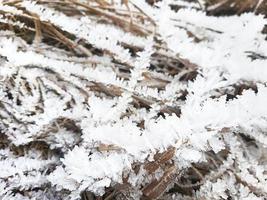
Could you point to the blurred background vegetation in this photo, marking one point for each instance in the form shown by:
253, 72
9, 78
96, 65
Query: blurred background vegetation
231, 7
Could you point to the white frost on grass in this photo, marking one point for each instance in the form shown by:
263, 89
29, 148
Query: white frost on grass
44, 91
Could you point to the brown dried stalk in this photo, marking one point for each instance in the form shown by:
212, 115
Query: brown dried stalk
124, 24
160, 159
38, 31
155, 189
108, 147
65, 40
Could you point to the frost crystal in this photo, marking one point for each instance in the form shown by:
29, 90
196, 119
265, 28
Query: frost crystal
130, 99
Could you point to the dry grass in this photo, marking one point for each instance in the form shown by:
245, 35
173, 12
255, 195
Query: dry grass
38, 30
230, 7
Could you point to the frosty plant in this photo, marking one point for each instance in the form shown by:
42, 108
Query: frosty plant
131, 99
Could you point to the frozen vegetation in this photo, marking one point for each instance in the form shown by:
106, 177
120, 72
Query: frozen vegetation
131, 100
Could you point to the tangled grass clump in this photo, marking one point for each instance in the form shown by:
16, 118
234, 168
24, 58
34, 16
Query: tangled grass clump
133, 99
